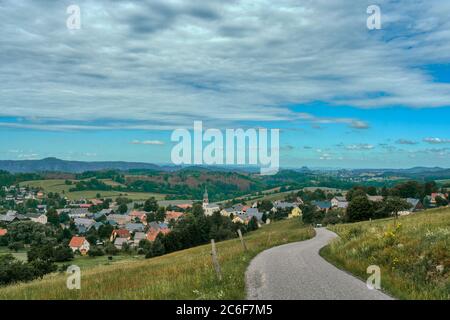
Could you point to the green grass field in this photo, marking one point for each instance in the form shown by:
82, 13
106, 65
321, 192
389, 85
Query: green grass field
413, 253
186, 274
59, 186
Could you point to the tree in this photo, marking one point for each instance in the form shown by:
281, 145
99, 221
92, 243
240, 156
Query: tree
359, 209
265, 206
123, 208
393, 205
158, 247
52, 217
151, 205
95, 251
372, 191
197, 209
441, 202
252, 224
355, 192
308, 213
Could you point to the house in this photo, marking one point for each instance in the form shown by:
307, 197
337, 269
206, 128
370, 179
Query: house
435, 195
245, 217
42, 208
8, 219
375, 198
97, 225
322, 205
119, 242
83, 223
172, 215
295, 213
140, 215
339, 202
184, 206
253, 212
120, 219
416, 205
120, 233
3, 232
133, 227
80, 244
96, 202
234, 210
75, 212
138, 236
153, 233
283, 205
38, 218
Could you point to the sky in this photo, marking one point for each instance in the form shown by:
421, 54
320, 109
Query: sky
343, 96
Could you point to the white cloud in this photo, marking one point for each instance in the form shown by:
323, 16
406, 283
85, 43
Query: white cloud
148, 142
405, 141
436, 140
361, 146
163, 64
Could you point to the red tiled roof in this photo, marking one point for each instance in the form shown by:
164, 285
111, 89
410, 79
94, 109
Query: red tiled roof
76, 242
3, 232
184, 205
85, 205
121, 233
138, 214
173, 215
152, 233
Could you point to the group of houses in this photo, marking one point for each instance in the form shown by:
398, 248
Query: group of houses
340, 202
12, 216
19, 195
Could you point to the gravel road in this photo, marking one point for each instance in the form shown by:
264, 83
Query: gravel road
296, 271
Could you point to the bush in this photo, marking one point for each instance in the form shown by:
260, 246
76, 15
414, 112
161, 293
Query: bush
96, 252
110, 249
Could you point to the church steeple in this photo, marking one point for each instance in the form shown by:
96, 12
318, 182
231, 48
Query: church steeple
205, 197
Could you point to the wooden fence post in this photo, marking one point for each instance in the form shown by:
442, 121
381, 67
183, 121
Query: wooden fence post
215, 260
242, 239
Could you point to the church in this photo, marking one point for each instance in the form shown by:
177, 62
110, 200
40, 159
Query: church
209, 209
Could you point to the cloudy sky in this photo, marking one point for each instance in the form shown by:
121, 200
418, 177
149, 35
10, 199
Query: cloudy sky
342, 95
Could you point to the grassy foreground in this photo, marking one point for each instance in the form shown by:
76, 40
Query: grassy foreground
186, 274
413, 255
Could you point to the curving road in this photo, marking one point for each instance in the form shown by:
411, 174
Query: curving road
296, 271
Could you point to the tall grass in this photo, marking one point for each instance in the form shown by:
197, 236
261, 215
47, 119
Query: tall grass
186, 274
413, 253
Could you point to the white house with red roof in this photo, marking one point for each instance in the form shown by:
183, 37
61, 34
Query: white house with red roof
80, 244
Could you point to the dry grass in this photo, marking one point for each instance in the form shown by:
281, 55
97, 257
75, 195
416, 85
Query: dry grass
413, 254
186, 274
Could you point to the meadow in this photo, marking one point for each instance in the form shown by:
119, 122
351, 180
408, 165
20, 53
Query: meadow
187, 274
59, 186
413, 253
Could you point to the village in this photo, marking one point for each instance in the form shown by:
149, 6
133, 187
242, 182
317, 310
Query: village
126, 224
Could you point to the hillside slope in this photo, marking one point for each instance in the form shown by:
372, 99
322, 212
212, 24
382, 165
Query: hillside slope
186, 274
413, 254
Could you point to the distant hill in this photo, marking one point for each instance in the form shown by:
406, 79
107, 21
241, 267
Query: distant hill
54, 164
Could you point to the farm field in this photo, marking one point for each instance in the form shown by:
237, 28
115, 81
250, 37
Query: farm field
412, 253
186, 274
59, 186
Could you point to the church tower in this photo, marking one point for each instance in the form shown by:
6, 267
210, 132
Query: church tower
205, 199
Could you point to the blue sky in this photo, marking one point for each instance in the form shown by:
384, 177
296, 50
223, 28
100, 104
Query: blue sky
342, 95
